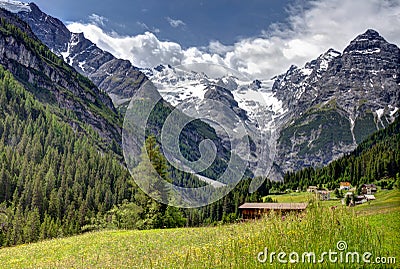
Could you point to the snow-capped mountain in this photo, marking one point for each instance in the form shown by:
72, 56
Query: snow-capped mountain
233, 104
316, 113
307, 116
342, 98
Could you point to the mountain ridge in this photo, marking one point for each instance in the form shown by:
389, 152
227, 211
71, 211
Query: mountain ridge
329, 83
54, 82
119, 78
335, 80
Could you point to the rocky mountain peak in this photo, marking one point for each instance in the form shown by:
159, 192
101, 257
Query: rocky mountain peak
370, 34
35, 9
370, 42
51, 31
330, 54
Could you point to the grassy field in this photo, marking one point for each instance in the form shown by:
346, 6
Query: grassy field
371, 227
293, 197
386, 201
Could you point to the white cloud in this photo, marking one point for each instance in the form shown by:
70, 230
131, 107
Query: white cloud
175, 23
217, 47
97, 19
308, 32
143, 50
147, 28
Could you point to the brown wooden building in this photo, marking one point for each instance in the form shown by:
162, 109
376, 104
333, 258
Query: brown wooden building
368, 188
257, 210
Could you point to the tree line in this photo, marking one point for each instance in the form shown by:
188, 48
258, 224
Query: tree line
376, 158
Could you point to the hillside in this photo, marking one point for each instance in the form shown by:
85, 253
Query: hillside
60, 162
375, 158
55, 83
119, 78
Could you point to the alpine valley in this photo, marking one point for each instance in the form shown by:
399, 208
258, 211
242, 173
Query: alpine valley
62, 107
309, 115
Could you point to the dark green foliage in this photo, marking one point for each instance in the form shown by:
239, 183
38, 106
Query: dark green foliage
376, 158
364, 126
54, 82
52, 179
326, 121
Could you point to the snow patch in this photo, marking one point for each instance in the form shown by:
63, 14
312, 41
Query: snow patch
393, 112
368, 51
15, 6
352, 124
66, 54
81, 65
306, 71
380, 112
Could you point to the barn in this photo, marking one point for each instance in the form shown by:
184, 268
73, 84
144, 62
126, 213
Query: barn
257, 210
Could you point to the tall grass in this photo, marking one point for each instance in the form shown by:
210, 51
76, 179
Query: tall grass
317, 231
232, 246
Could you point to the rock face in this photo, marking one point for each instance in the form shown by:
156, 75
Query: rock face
224, 96
119, 78
47, 28
55, 83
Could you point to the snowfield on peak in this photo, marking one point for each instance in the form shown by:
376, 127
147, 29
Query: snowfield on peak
232, 103
177, 86
15, 6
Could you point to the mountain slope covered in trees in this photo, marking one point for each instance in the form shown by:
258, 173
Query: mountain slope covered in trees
60, 168
55, 83
61, 171
376, 158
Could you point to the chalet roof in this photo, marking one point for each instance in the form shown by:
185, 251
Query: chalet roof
275, 206
368, 185
323, 191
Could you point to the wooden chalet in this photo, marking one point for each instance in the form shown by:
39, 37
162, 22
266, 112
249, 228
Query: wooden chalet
257, 210
345, 186
312, 189
368, 188
323, 195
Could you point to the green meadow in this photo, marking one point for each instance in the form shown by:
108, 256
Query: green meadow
370, 227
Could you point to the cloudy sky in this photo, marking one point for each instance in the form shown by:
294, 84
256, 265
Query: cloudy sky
260, 38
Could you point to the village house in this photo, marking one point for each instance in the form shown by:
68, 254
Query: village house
257, 210
312, 188
370, 197
323, 195
344, 186
360, 199
368, 188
